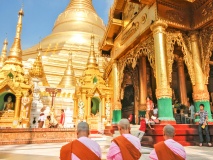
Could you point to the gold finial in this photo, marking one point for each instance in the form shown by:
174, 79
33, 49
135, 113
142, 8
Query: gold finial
3, 53
15, 54
92, 62
68, 80
84, 4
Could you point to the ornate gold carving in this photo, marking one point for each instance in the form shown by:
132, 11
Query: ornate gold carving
206, 39
177, 37
173, 15
129, 32
199, 95
143, 18
164, 92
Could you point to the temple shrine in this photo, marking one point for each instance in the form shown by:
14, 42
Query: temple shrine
161, 49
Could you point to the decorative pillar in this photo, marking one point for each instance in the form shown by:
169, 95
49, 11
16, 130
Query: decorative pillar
85, 105
200, 92
89, 106
17, 110
75, 113
103, 104
116, 90
182, 82
143, 84
163, 90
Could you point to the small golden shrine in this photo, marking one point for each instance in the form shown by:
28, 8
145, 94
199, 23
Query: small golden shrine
14, 85
92, 99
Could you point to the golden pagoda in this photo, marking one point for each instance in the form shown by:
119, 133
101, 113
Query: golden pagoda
14, 84
72, 29
3, 57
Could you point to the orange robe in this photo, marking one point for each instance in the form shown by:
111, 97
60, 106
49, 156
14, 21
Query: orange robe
163, 151
79, 149
128, 150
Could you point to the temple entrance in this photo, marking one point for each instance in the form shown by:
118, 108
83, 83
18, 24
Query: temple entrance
181, 88
95, 106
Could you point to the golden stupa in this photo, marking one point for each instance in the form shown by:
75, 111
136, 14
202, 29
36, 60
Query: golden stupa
72, 30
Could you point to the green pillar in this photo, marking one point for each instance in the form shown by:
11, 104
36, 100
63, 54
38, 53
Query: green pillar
165, 111
116, 116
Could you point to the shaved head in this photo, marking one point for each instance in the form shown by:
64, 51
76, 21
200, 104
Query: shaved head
124, 124
169, 131
83, 127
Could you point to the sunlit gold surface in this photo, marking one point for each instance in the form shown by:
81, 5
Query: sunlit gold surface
68, 80
3, 57
72, 30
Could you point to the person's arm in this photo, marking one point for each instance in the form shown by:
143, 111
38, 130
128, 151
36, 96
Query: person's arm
150, 126
196, 114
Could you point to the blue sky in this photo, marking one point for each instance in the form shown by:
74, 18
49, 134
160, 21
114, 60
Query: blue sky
39, 18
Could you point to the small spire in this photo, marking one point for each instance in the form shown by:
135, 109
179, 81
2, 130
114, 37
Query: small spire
68, 80
3, 57
92, 62
37, 68
15, 54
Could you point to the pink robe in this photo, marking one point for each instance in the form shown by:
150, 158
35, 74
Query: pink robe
92, 145
114, 152
176, 147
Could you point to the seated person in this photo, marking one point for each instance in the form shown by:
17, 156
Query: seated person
53, 123
9, 105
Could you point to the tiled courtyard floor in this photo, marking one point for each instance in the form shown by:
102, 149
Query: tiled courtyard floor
50, 151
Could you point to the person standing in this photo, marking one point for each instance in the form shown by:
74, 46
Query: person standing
192, 112
203, 125
41, 118
62, 119
149, 107
125, 146
168, 149
83, 148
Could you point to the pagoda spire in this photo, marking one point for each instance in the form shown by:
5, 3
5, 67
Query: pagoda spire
92, 62
81, 4
3, 57
68, 80
15, 54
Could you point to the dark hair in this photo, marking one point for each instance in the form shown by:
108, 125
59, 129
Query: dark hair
62, 110
202, 105
48, 117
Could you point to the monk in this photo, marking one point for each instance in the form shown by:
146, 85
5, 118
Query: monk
169, 149
125, 146
82, 148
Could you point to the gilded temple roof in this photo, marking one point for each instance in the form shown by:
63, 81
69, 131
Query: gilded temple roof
3, 57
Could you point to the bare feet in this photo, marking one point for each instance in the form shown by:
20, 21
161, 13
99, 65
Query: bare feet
200, 144
209, 144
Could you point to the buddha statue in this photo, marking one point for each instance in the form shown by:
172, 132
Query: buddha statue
9, 105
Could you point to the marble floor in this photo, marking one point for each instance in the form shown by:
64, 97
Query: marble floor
50, 151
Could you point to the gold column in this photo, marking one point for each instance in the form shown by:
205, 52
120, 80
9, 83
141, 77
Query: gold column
143, 83
182, 81
200, 91
89, 106
75, 114
84, 99
17, 106
159, 34
103, 107
116, 88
